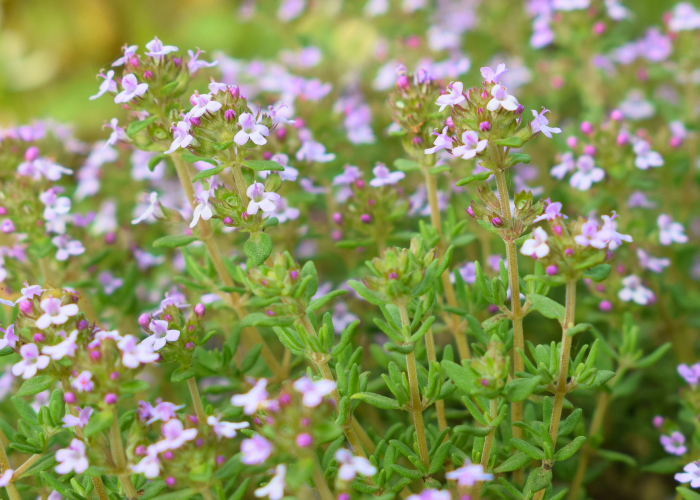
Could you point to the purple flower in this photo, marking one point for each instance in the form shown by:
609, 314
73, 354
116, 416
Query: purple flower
254, 398
383, 177
225, 429
277, 115
491, 76
255, 450
132, 88
590, 235
431, 495
691, 374
692, 470
454, 96
469, 474
202, 210
134, 353
350, 465
107, 85
129, 52
72, 458
161, 334
639, 199
163, 411
290, 10
350, 174
109, 282
250, 129
67, 247
157, 50
259, 199
501, 99
314, 152
152, 204
684, 17
31, 362
149, 465
608, 233
202, 104
182, 136
313, 391
10, 339
674, 444
552, 211
442, 141
55, 312
274, 489
65, 348
472, 146
80, 421
175, 435
669, 231
118, 133
634, 291
645, 156
540, 124
194, 64
586, 174
83, 382
653, 264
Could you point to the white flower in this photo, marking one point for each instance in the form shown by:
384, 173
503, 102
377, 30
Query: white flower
634, 291
350, 465
541, 124
586, 174
608, 233
5, 477
182, 136
472, 145
67, 247
501, 99
72, 458
202, 104
250, 129
31, 362
313, 391
383, 177
157, 50
62, 349
132, 88
442, 141
651, 263
149, 465
202, 210
454, 95
107, 85
55, 206
161, 334
259, 199
274, 490
225, 429
669, 231
152, 204
252, 399
646, 157
567, 165
54, 312
83, 382
537, 246
684, 17
134, 353
175, 435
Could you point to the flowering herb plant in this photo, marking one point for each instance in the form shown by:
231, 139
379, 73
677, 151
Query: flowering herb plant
213, 301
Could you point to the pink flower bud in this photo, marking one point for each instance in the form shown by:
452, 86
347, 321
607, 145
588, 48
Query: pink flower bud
417, 140
69, 398
189, 346
557, 230
31, 153
7, 226
294, 275
449, 122
3, 211
605, 306
600, 288
586, 128
177, 61
167, 317
599, 28
148, 74
114, 375
616, 115
337, 235
281, 133
470, 211
620, 269
229, 115
403, 82
110, 398
371, 202
360, 184
267, 155
299, 123
199, 310
366, 218
393, 276
496, 221
39, 337
484, 126
304, 440
82, 324
552, 270
196, 121
589, 149
493, 308
144, 321
344, 496
110, 238
95, 355
140, 450
622, 139
284, 399
234, 91
199, 442
26, 307
228, 221
168, 455
675, 142
170, 481
569, 252
484, 382
484, 95
642, 74
270, 312
190, 328
519, 109
658, 421
571, 141
134, 61
338, 218
305, 422
220, 460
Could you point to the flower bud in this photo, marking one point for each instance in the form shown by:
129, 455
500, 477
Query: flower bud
196, 121
605, 306
110, 238
557, 230
140, 450
220, 460
170, 481
267, 155
7, 226
569, 252
493, 308
39, 337
622, 139
616, 115
337, 235
234, 91
270, 312
31, 154
167, 317
620, 269
199, 310
449, 122
393, 276
177, 61
189, 346
658, 421
519, 109
134, 61
346, 496
403, 82
144, 321
168, 455
552, 270
82, 324
484, 126
305, 422
675, 142
114, 375
599, 28
284, 399
589, 150
110, 398
470, 211
281, 133
148, 74
496, 221
338, 218
571, 141
304, 440
26, 307
586, 128
69, 398
484, 95
228, 221
95, 355
294, 275
229, 115
366, 218
360, 184
371, 202
417, 140
3, 211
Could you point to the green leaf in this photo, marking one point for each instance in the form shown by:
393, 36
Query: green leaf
204, 174
136, 127
55, 484
569, 450
462, 377
616, 456
520, 389
665, 465
35, 385
26, 412
687, 494
240, 491
538, 480
548, 307
481, 176
153, 162
580, 328
439, 169
26, 448
527, 448
510, 142
133, 386
6, 351
182, 373
473, 431
45, 463
514, 158
652, 358
567, 426
438, 459
318, 303
151, 489
366, 293
258, 247
601, 377
262, 319
407, 473
99, 423
190, 158
177, 495
377, 400
174, 241
263, 165
515, 462
598, 273
406, 165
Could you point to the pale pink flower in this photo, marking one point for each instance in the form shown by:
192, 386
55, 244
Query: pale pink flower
132, 88
349, 466
674, 444
552, 211
72, 458
442, 141
202, 210
313, 391
634, 291
669, 231
587, 173
163, 411
134, 353
157, 50
161, 334
540, 123
608, 233
9, 339
54, 312
383, 176
251, 400
590, 235
274, 490
491, 76
537, 246
652, 263
469, 474
225, 429
259, 199
149, 465
454, 96
83, 382
691, 374
250, 129
691, 475
31, 362
472, 145
255, 450
69, 420
107, 85
202, 104
182, 136
175, 435
62, 349
6, 477
501, 99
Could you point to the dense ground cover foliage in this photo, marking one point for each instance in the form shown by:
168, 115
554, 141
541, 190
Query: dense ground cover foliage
412, 254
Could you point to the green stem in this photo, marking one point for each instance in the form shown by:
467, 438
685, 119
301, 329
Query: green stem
196, 400
12, 490
432, 357
321, 483
486, 454
117, 446
416, 404
25, 466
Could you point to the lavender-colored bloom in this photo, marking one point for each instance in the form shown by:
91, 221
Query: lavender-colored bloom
10, 338
288, 174
175, 435
567, 165
225, 429
633, 290
202, 104
314, 152
72, 458
254, 398
109, 282
54, 205
283, 212
691, 474
250, 129
501, 99
163, 411
590, 235
471, 145
182, 136
132, 88
467, 272
313, 391
83, 382
350, 465
587, 173
152, 205
674, 444
653, 264
645, 156
491, 76
274, 489
202, 210
149, 465
669, 231
684, 17
568, 5
616, 11
540, 124
308, 186
134, 353
157, 50
552, 211
65, 348
431, 495
542, 34
639, 199
383, 177
608, 233
469, 474
255, 450
290, 10
194, 64
453, 97
107, 85
277, 114
350, 174
161, 334
31, 362
259, 199
55, 312
691, 374
655, 47
636, 107
80, 421
129, 52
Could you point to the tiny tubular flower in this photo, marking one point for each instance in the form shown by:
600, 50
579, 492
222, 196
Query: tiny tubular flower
669, 231
255, 450
634, 291
540, 123
455, 95
537, 246
274, 489
182, 136
251, 130
225, 429
442, 141
313, 391
260, 200
81, 420
62, 349
72, 458
384, 177
350, 465
161, 334
31, 362
202, 210
55, 312
132, 88
107, 85
202, 104
501, 99
472, 145
469, 474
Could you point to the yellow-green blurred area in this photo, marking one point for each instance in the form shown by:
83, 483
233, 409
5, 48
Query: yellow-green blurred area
50, 50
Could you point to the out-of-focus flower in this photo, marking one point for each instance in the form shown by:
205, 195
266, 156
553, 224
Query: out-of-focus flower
634, 291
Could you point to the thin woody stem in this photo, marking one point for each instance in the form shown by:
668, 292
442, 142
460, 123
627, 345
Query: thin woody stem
416, 404
321, 483
196, 400
25, 466
117, 446
440, 404
251, 337
486, 453
516, 409
11, 488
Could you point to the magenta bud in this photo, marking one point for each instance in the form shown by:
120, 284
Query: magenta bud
26, 307
519, 109
39, 337
3, 211
449, 122
600, 288
167, 317
337, 235
304, 440
269, 420
110, 238
496, 221
256, 421
228, 221
360, 184
616, 115
571, 141
493, 308
605, 306
82, 324
557, 230
168, 455
284, 399
393, 276
144, 321
31, 154
305, 421
470, 211
110, 398
270, 312
552, 270
403, 82
658, 421
338, 218
480, 111
199, 310
229, 115
148, 74
196, 121
134, 61
177, 61
114, 375
675, 142
220, 459
484, 95
417, 140
484, 382
267, 155
599, 28
189, 346
586, 128
193, 419
190, 328
622, 139
140, 450
344, 496
366, 218
234, 91
620, 269
294, 275
371, 202
69, 398
199, 442
170, 481
589, 149
281, 133
484, 126
95, 355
